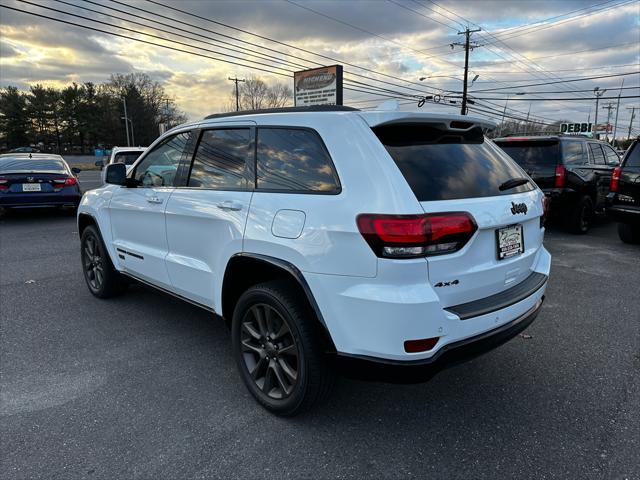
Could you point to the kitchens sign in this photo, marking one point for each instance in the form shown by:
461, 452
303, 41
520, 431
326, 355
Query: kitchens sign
319, 86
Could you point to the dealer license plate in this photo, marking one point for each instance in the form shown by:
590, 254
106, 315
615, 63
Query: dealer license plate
510, 241
31, 187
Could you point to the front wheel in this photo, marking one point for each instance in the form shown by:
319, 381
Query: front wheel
629, 233
276, 347
102, 278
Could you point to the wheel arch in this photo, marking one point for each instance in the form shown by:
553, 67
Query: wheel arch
85, 220
247, 269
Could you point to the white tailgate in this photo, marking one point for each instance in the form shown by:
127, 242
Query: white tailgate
476, 267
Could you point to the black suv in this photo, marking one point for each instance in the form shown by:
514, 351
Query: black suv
623, 202
574, 172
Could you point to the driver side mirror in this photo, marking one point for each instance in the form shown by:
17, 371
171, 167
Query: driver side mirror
115, 174
75, 170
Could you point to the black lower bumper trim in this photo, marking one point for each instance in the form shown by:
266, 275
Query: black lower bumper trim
501, 300
398, 371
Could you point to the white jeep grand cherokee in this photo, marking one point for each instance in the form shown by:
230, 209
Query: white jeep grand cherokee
398, 242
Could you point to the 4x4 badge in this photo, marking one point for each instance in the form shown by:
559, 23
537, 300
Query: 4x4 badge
518, 208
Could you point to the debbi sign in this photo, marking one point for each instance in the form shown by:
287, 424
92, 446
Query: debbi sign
576, 127
319, 86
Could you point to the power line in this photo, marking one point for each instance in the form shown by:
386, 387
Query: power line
559, 81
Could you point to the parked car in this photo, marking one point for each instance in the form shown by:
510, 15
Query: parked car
384, 244
126, 155
623, 201
574, 172
37, 180
25, 150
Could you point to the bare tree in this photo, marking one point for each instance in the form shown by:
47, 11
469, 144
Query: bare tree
255, 94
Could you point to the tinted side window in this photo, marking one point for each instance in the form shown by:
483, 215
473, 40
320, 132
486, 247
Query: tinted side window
221, 159
294, 159
611, 155
596, 153
574, 153
159, 167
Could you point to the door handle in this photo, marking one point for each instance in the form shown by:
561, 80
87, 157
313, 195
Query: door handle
230, 205
154, 199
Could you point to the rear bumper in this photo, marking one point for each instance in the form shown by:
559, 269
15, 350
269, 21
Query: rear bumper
39, 200
623, 214
373, 317
395, 371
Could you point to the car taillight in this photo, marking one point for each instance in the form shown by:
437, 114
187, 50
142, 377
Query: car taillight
4, 184
615, 179
560, 177
412, 236
545, 210
64, 182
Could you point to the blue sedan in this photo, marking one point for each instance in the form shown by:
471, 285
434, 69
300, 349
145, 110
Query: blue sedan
37, 180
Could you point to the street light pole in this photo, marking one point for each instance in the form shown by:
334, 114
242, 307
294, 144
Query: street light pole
633, 114
126, 120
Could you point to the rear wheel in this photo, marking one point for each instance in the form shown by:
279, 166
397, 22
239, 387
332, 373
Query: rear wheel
102, 278
276, 347
582, 216
629, 233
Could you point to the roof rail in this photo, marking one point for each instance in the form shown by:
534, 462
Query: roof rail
312, 108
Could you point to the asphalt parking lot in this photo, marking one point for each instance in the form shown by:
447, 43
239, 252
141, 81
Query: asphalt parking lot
144, 386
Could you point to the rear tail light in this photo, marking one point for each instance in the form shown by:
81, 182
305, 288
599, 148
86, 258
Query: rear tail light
560, 177
615, 179
412, 236
4, 184
545, 210
64, 182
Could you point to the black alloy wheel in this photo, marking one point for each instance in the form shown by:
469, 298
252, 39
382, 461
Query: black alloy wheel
279, 348
93, 262
269, 351
102, 278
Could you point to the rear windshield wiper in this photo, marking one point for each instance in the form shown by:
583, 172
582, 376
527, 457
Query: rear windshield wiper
512, 183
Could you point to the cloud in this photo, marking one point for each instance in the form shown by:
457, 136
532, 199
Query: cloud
407, 45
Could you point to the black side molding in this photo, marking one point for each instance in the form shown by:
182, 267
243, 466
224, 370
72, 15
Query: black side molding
501, 300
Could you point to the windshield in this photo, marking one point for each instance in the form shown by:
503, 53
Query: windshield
444, 165
128, 158
532, 154
31, 165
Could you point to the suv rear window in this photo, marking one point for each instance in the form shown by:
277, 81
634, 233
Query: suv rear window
531, 155
441, 165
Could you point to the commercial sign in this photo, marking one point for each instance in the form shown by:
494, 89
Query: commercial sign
585, 128
318, 86
576, 127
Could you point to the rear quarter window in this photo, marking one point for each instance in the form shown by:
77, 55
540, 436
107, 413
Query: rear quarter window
633, 157
441, 165
294, 160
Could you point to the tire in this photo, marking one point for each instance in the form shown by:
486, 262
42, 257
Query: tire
102, 279
629, 233
290, 371
582, 216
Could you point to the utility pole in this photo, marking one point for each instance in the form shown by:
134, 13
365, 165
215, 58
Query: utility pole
615, 124
237, 80
609, 107
126, 120
633, 114
598, 94
467, 45
526, 123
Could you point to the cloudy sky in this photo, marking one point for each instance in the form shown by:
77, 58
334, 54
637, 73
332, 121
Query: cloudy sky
386, 46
